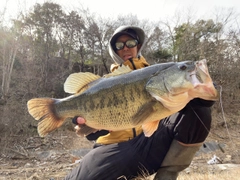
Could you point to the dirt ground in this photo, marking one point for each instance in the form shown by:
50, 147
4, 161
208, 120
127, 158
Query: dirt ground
35, 158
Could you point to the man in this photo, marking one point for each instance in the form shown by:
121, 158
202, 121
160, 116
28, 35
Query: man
127, 154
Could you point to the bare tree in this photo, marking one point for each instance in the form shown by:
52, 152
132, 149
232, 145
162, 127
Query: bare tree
43, 23
8, 50
71, 37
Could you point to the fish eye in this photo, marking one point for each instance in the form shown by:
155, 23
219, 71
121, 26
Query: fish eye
183, 67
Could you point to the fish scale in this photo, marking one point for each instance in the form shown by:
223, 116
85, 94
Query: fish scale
94, 105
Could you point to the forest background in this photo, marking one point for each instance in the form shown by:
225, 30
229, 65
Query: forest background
41, 48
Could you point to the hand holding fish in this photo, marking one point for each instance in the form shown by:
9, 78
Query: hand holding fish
79, 121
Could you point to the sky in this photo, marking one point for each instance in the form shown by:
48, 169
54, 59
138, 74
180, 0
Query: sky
148, 9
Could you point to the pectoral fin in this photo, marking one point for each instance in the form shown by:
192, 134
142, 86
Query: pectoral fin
150, 128
143, 113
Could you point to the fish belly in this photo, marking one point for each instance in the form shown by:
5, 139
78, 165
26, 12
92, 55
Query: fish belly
114, 108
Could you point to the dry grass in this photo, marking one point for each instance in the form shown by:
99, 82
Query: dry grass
233, 174
29, 169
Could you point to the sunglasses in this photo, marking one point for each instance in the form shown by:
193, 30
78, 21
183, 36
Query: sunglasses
130, 44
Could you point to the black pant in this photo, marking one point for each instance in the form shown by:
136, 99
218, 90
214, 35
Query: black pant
142, 154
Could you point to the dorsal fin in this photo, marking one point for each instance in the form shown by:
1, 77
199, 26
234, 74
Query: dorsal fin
78, 82
120, 70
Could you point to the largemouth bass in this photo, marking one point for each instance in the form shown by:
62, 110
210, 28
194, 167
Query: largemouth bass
125, 99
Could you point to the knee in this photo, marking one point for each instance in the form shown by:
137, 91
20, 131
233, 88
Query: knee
194, 126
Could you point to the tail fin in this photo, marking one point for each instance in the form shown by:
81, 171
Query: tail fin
43, 109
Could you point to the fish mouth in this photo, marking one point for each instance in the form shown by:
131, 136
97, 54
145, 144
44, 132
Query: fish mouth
200, 74
195, 78
198, 77
202, 82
